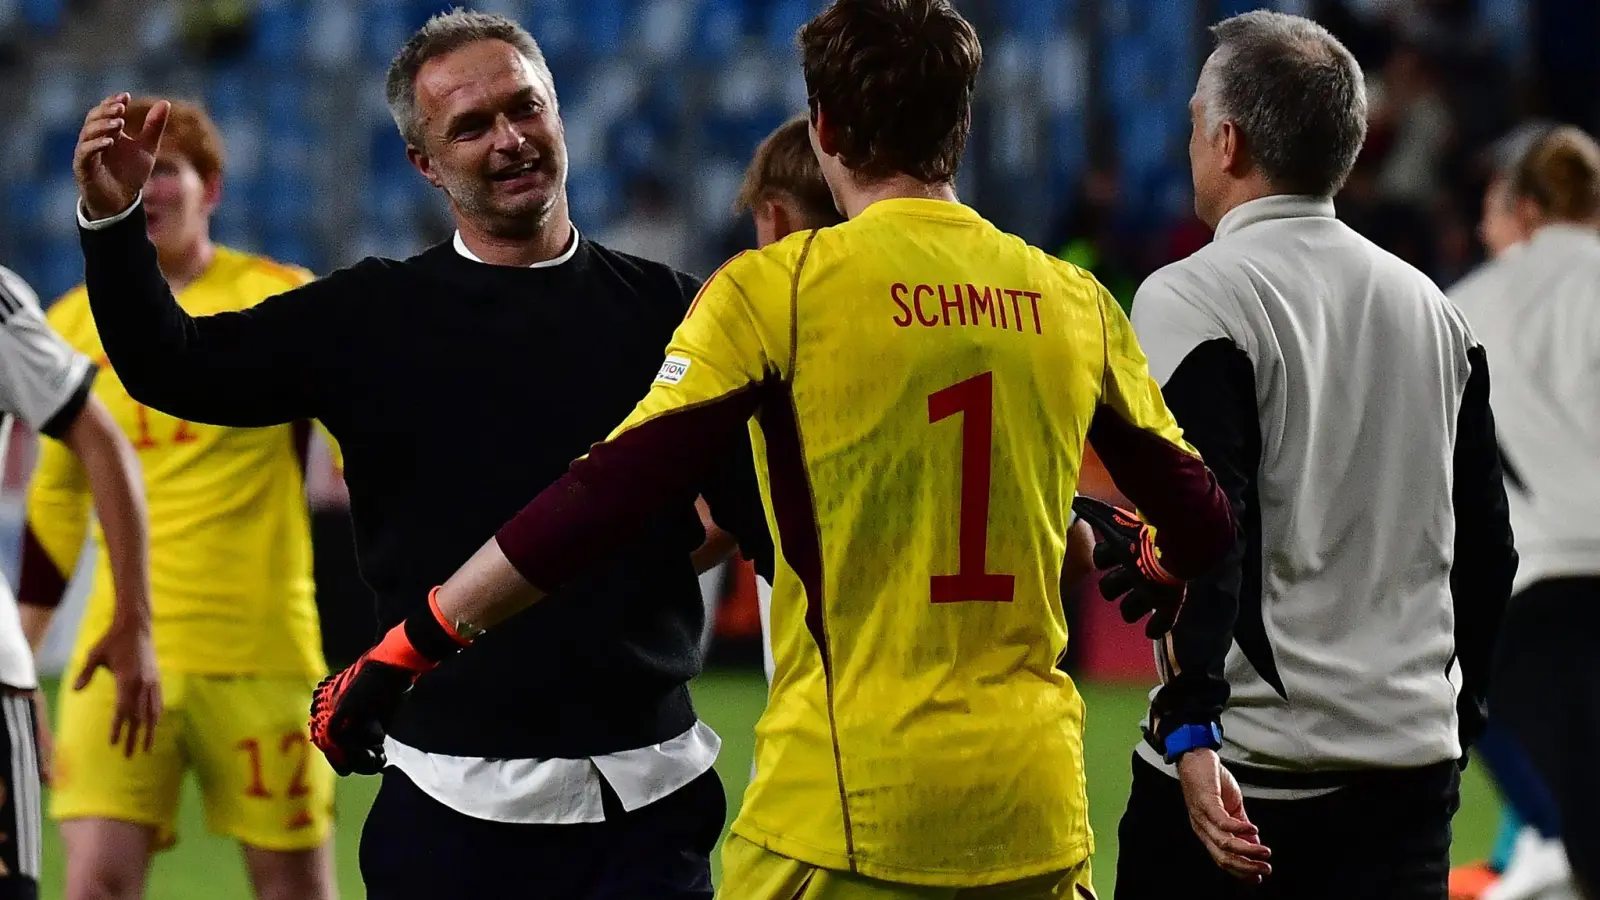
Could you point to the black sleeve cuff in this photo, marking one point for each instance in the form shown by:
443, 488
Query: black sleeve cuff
58, 424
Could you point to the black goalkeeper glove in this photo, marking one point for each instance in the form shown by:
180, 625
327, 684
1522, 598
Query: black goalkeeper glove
1132, 567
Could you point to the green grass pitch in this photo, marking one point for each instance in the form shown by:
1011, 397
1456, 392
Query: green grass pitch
203, 865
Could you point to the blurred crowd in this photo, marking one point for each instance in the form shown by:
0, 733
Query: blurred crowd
1447, 80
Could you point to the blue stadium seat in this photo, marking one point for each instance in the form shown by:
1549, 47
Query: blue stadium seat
59, 268
280, 28
389, 198
385, 27
1068, 142
603, 25
554, 25
283, 202
784, 18
634, 145
227, 91
1131, 70
56, 147
1145, 139
42, 15
592, 197
24, 201
286, 99
1036, 18
720, 30
386, 149
291, 246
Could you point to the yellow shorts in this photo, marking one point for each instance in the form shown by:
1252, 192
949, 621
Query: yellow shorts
752, 872
245, 737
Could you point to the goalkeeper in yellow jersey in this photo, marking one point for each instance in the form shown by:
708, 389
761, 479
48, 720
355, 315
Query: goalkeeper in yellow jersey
235, 619
918, 387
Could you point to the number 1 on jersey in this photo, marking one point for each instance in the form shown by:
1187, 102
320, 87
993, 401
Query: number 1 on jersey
974, 400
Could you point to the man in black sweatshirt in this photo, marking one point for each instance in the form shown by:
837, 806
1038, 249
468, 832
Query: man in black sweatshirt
565, 759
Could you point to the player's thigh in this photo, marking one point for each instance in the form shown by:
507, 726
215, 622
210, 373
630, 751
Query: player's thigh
20, 816
262, 782
95, 779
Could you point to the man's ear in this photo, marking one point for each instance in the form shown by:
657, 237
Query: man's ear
826, 141
1235, 159
423, 163
1528, 215
211, 193
783, 220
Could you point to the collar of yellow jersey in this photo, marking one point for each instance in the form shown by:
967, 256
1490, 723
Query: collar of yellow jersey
921, 206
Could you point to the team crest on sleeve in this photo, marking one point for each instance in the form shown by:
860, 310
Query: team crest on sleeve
673, 369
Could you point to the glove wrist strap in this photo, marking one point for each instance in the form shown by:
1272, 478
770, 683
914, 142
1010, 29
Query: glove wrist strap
430, 636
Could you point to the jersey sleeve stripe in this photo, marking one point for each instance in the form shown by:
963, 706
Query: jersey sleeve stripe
794, 301
794, 509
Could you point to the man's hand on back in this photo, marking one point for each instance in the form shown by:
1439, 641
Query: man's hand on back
111, 166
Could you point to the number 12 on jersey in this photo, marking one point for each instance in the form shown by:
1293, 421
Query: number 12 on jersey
973, 399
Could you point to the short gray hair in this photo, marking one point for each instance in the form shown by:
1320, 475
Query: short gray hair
1295, 93
445, 33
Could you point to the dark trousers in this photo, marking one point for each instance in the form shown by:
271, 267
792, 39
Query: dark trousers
1546, 694
1384, 837
415, 848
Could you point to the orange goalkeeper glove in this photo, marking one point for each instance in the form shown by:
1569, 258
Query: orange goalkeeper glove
1133, 572
351, 710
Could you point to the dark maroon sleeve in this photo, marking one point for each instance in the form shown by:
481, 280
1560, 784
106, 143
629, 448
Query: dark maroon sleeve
1171, 488
40, 583
610, 493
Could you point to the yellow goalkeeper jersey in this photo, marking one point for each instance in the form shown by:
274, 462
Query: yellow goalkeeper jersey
922, 387
230, 532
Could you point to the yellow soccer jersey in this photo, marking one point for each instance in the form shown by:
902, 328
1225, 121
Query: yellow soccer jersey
230, 534
922, 386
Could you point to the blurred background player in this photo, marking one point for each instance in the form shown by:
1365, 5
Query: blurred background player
1339, 660
1538, 312
46, 384
922, 385
1528, 855
236, 623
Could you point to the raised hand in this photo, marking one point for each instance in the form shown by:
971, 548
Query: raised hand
110, 165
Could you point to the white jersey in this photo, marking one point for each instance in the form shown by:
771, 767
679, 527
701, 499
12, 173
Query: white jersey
1537, 311
44, 383
1360, 366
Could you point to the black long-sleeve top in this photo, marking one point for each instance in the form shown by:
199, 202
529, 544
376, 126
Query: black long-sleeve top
457, 390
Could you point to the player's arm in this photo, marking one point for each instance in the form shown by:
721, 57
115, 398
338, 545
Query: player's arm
718, 367
1144, 451
47, 384
730, 498
1485, 550
56, 521
256, 367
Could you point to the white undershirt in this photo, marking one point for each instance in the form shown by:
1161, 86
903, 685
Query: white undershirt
544, 791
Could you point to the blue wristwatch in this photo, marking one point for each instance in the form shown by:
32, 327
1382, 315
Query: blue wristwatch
1190, 737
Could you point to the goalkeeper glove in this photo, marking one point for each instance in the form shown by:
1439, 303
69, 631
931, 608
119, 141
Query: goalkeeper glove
350, 710
1132, 566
